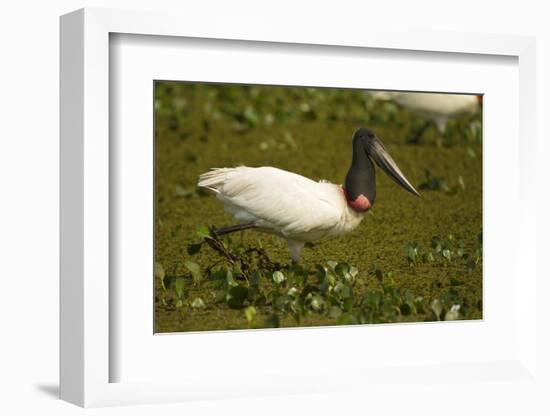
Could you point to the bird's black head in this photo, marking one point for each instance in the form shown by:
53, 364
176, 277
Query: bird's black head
364, 135
360, 179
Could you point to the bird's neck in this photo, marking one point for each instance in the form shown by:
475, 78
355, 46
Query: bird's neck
360, 185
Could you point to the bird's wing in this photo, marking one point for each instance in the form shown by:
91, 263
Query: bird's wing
289, 203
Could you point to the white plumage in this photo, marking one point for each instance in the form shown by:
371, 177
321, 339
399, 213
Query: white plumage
283, 203
438, 108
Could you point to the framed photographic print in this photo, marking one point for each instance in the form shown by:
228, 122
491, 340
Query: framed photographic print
273, 214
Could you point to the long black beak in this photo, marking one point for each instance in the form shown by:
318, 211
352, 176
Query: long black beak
383, 159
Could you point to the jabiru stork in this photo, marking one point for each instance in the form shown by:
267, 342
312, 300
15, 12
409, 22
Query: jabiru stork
437, 108
297, 208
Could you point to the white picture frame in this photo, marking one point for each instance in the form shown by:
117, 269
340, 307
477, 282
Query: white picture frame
86, 356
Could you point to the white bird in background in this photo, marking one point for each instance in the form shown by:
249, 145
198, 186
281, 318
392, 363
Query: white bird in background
438, 108
299, 209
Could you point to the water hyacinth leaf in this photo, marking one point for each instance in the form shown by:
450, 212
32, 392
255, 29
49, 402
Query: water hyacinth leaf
477, 256
237, 271
220, 295
179, 285
260, 299
159, 271
412, 254
193, 249
230, 279
317, 303
237, 297
436, 244
203, 231
453, 314
293, 292
387, 307
405, 309
389, 290
349, 278
307, 290
198, 303
250, 116
342, 290
160, 274
296, 306
255, 278
341, 269
227, 242
437, 308
372, 299
217, 274
324, 286
335, 312
332, 264
283, 303
348, 304
278, 277
419, 305
250, 314
451, 296
195, 270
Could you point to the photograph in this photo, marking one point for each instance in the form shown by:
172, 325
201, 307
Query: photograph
303, 206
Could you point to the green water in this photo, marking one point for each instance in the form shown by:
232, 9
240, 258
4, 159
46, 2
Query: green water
308, 131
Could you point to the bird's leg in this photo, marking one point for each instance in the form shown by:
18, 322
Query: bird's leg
441, 123
233, 228
295, 248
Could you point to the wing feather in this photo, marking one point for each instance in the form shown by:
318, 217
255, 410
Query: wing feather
290, 204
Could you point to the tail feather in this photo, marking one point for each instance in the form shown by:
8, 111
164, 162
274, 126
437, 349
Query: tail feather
213, 179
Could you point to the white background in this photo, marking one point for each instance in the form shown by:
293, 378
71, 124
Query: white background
29, 209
